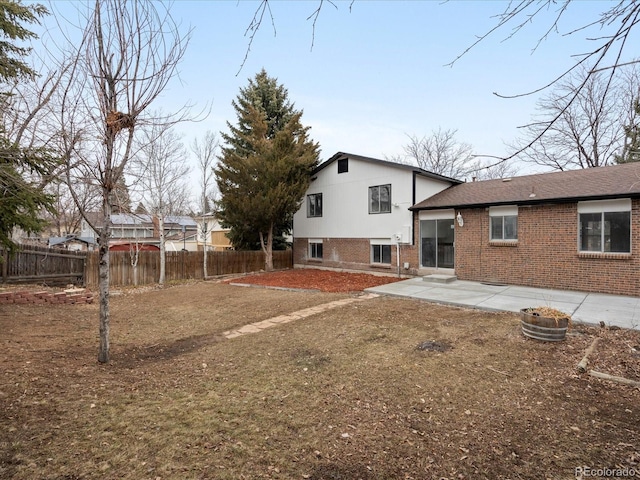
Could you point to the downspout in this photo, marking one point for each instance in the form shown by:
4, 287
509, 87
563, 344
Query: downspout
398, 255
414, 213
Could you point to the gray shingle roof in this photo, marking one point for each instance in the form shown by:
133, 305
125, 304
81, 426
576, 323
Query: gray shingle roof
53, 241
570, 186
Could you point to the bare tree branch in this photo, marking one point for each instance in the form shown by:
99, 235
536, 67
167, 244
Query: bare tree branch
440, 153
254, 26
315, 16
623, 16
588, 132
263, 8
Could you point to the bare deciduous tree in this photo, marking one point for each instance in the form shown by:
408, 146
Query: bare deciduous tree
205, 151
588, 132
440, 153
26, 121
128, 53
610, 50
67, 218
160, 168
494, 172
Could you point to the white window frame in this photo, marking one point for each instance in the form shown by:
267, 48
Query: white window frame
379, 207
603, 207
381, 243
315, 203
313, 244
503, 212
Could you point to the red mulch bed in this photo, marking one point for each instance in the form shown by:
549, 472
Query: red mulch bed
314, 279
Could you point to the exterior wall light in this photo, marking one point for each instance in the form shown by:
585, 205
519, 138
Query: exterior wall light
460, 219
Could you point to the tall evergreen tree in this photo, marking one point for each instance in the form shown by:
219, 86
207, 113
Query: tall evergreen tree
21, 197
263, 173
12, 15
264, 94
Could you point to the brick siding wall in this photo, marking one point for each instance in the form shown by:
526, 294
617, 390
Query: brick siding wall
546, 253
352, 254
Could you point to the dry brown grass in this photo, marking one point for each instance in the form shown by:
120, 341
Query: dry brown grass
341, 395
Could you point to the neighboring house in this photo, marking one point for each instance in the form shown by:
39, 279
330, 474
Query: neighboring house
123, 226
180, 232
575, 230
142, 228
73, 242
356, 214
209, 229
133, 247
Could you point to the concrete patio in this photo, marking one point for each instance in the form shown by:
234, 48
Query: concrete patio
591, 308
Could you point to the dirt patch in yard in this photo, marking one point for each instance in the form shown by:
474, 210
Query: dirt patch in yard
316, 279
344, 394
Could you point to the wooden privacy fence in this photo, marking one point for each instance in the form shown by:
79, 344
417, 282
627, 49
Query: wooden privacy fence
57, 266
179, 266
32, 263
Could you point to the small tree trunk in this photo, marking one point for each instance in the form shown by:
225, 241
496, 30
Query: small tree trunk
204, 262
267, 248
134, 255
103, 284
162, 249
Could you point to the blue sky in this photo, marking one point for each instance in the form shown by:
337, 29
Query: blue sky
377, 71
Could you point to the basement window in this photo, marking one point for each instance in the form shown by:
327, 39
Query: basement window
381, 254
315, 249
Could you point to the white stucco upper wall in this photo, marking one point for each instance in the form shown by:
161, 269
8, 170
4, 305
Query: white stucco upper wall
428, 187
345, 197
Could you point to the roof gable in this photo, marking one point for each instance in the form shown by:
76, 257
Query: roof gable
556, 187
410, 168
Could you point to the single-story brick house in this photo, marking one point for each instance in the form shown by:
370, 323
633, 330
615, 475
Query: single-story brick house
574, 230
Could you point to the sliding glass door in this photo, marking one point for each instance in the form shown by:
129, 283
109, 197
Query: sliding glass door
436, 243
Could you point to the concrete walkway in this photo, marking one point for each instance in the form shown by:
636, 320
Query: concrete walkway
591, 308
300, 314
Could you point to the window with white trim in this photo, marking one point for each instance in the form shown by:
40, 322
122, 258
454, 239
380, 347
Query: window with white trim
503, 223
381, 254
315, 249
314, 205
380, 199
604, 226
